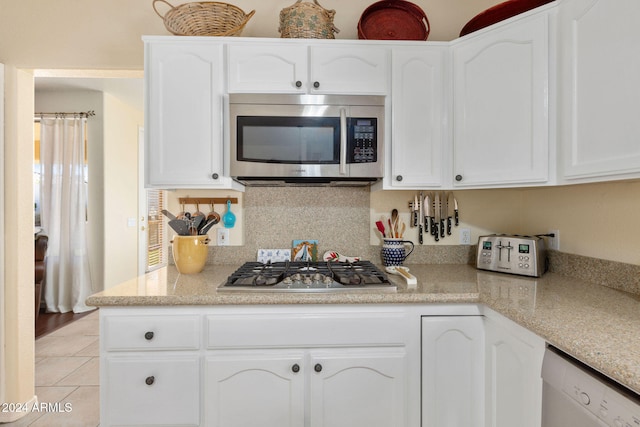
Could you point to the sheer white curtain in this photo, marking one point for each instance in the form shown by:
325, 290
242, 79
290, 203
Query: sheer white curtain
64, 213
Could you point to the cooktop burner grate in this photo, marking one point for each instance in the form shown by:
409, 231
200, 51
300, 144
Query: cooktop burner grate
307, 276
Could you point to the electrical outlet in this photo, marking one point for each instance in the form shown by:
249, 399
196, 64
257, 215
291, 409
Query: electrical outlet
554, 242
465, 236
223, 237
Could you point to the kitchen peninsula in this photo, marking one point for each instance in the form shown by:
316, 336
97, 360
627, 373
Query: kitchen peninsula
595, 324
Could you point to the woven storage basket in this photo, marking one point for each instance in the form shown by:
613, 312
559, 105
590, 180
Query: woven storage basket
304, 20
207, 18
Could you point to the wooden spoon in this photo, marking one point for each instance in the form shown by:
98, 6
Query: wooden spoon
394, 222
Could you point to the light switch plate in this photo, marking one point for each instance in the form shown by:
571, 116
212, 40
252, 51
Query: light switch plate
223, 237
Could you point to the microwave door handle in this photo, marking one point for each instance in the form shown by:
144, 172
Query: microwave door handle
343, 141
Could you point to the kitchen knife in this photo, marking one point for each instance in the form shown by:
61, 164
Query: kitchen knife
436, 224
415, 210
428, 226
455, 211
420, 207
443, 213
450, 212
432, 214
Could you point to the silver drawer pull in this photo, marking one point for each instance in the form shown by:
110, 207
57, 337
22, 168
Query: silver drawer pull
150, 380
148, 336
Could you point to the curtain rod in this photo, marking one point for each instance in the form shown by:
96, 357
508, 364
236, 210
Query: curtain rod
89, 113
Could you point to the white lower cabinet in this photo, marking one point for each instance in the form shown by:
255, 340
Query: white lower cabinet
316, 387
154, 389
452, 371
513, 371
357, 387
387, 365
254, 387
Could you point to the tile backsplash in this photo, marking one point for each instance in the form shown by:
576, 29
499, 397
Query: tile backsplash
338, 217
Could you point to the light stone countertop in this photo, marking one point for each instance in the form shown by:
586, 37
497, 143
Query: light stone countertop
597, 325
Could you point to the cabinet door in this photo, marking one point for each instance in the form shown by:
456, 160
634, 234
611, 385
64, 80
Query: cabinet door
513, 375
255, 388
349, 69
183, 115
417, 137
267, 68
358, 388
599, 88
158, 390
453, 371
501, 123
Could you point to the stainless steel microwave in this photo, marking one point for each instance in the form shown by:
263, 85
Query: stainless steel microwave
306, 139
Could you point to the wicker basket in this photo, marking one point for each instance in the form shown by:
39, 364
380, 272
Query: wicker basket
305, 20
208, 18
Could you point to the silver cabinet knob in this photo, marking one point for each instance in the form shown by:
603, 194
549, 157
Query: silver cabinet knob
458, 178
149, 380
148, 336
298, 83
318, 367
295, 368
316, 85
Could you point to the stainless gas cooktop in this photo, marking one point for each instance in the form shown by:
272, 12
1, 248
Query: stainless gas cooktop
300, 276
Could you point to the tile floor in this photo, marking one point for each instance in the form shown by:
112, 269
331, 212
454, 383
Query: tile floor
67, 371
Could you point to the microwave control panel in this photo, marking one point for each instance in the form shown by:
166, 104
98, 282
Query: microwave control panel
515, 254
362, 146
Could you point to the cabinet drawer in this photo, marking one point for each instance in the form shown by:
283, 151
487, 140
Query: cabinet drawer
151, 391
124, 333
306, 329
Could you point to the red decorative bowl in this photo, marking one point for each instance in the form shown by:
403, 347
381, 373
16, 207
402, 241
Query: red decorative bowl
393, 20
500, 12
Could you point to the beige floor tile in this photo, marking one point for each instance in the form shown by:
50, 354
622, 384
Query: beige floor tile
87, 374
50, 370
92, 350
83, 326
50, 346
82, 410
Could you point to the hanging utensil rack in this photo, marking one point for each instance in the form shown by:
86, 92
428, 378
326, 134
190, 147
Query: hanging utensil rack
207, 200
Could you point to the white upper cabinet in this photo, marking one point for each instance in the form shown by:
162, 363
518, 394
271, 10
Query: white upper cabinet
418, 118
288, 67
500, 105
599, 89
273, 68
350, 69
183, 115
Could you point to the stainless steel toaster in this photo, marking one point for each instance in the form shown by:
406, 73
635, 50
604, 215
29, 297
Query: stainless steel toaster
512, 253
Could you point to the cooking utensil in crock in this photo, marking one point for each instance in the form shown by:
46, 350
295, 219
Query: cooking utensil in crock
168, 214
179, 226
194, 224
207, 226
229, 218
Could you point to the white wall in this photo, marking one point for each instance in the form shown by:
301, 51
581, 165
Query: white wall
120, 242
106, 34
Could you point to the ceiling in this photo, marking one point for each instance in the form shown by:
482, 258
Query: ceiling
127, 90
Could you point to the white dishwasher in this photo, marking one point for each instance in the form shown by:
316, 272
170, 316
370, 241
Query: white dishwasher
574, 395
